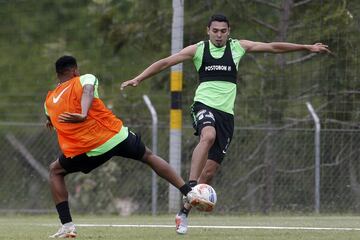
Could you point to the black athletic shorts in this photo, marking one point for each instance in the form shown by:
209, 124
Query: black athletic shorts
223, 123
132, 147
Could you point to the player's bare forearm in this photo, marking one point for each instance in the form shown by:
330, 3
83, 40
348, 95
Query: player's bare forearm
282, 47
160, 65
153, 69
150, 71
68, 117
87, 98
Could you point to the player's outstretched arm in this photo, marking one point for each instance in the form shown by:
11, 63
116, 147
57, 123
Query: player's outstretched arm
158, 66
282, 47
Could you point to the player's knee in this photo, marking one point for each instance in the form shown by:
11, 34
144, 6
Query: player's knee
52, 167
207, 176
208, 138
52, 171
147, 155
208, 173
208, 135
55, 169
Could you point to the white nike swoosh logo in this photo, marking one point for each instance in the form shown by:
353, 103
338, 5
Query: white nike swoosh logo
56, 99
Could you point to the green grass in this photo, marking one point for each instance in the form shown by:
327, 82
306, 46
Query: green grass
41, 226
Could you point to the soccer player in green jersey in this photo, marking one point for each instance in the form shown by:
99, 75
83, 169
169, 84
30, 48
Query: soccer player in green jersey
217, 61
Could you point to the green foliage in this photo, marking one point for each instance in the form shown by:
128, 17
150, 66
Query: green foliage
121, 23
115, 40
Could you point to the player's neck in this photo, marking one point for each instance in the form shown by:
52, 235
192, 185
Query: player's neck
65, 78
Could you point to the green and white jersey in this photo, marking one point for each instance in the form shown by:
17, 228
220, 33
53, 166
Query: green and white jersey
217, 94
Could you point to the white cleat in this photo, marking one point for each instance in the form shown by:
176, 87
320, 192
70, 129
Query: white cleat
67, 230
181, 222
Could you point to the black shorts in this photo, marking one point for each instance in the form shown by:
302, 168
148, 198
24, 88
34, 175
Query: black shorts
223, 123
132, 147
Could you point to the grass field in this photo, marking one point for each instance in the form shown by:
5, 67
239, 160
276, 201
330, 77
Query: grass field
202, 227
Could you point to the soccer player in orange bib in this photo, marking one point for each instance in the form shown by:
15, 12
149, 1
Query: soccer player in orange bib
89, 134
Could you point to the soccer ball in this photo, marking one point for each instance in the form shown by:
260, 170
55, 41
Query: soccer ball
207, 193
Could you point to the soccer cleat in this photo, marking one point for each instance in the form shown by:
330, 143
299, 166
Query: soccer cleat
181, 222
194, 199
67, 230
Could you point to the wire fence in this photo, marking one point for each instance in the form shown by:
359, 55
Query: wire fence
265, 170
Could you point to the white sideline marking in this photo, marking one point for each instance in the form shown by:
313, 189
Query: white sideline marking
215, 227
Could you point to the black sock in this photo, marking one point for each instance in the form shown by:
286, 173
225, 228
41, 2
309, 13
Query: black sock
193, 183
64, 212
185, 189
185, 211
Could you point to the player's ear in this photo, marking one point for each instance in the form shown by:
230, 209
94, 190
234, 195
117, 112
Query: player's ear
208, 30
75, 72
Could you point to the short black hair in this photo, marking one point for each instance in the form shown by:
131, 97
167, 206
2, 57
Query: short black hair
64, 63
218, 18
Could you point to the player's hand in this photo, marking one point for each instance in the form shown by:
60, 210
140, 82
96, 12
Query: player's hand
318, 48
131, 82
68, 117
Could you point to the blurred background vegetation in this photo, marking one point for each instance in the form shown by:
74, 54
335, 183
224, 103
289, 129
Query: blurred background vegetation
116, 40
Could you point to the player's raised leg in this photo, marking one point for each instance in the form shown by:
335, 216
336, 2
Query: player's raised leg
164, 170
